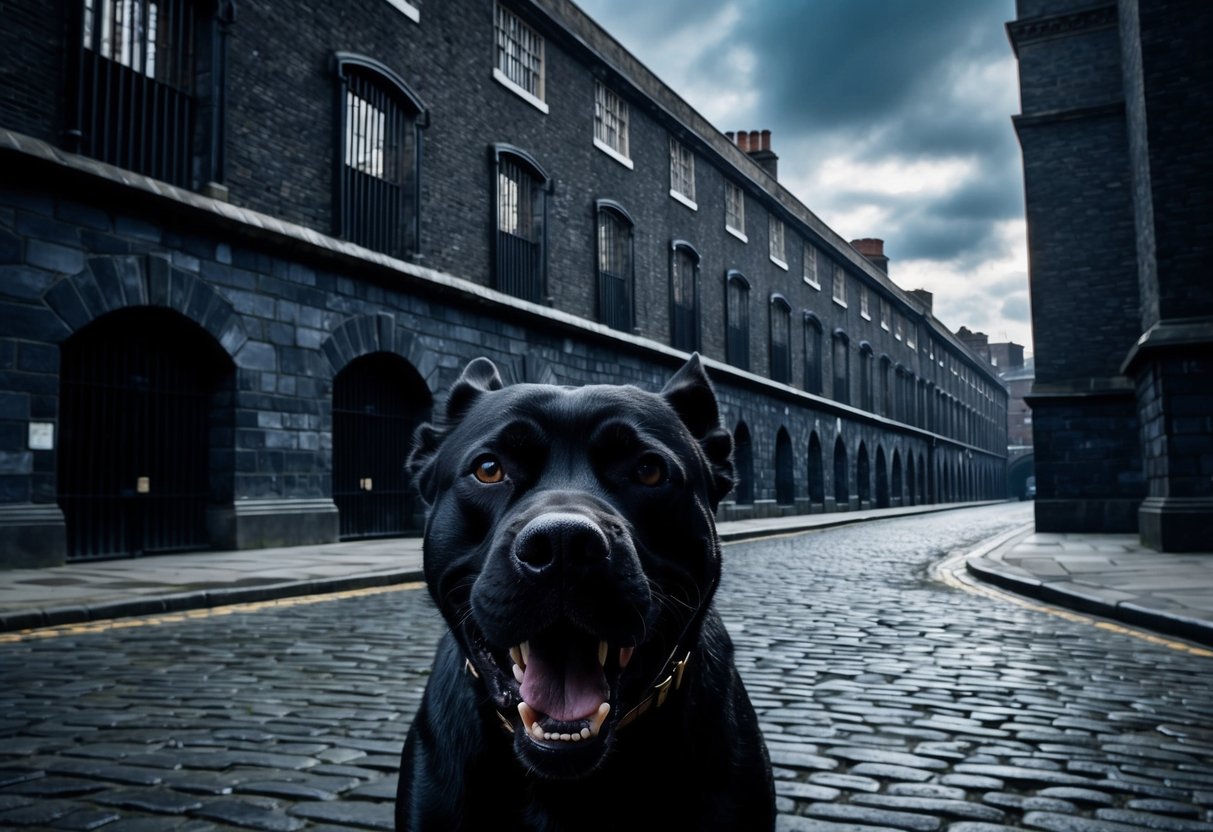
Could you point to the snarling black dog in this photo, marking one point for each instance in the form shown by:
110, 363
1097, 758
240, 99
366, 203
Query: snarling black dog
586, 682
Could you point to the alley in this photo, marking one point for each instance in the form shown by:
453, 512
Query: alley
889, 699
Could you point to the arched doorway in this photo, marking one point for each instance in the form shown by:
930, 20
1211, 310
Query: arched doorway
817, 474
882, 479
842, 489
785, 479
895, 484
378, 400
144, 393
863, 476
912, 490
743, 462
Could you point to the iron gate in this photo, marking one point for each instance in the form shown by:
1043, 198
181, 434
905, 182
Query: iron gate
133, 458
373, 420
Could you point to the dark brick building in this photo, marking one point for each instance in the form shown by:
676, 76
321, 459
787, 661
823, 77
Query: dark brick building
1114, 131
243, 247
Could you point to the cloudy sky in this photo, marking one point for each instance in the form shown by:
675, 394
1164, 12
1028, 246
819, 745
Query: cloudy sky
891, 119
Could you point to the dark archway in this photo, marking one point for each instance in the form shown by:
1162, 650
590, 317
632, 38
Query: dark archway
378, 400
895, 487
743, 462
912, 490
863, 476
923, 472
816, 473
882, 479
145, 400
785, 478
842, 490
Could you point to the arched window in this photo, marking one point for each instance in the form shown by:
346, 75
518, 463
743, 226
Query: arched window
380, 120
781, 339
842, 367
616, 276
684, 296
865, 375
812, 353
520, 257
737, 320
886, 386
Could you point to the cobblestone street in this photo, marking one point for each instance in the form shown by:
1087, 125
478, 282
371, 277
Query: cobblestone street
890, 700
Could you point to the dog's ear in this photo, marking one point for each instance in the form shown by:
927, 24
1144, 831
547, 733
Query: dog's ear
478, 377
690, 393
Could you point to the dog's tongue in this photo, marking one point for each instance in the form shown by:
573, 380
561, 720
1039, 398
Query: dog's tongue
563, 678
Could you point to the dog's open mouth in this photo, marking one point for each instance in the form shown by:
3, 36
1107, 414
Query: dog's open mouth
562, 683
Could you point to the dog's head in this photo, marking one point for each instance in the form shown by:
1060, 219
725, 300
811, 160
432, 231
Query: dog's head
571, 546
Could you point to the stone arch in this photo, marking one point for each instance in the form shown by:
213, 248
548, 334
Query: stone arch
882, 479
361, 335
112, 282
842, 491
895, 487
863, 475
816, 472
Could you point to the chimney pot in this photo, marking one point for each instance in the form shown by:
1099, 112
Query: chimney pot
766, 139
755, 140
743, 141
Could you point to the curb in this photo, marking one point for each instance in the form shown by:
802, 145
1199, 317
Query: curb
200, 599
984, 564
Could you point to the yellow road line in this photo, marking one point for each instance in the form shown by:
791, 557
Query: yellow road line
90, 627
947, 572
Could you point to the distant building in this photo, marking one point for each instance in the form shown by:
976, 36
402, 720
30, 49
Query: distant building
1118, 177
243, 255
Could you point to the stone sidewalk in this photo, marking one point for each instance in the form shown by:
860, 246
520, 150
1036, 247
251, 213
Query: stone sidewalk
1112, 576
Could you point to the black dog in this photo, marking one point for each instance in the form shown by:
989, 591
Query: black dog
587, 682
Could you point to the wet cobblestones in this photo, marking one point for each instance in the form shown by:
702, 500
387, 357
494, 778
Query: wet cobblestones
889, 700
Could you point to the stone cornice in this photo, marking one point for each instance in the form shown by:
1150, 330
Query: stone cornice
1032, 29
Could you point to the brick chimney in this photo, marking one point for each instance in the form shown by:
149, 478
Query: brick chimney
757, 145
873, 250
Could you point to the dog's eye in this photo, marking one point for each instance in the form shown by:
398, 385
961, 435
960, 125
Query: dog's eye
650, 471
488, 470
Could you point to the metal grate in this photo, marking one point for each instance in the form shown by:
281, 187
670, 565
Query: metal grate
379, 143
135, 106
614, 271
133, 461
519, 232
374, 416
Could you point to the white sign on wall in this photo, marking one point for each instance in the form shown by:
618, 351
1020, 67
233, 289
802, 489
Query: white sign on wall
41, 436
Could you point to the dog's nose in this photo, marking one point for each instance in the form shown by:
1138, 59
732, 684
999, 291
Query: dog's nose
557, 537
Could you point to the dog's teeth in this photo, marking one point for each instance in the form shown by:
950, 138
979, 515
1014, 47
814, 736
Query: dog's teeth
597, 719
537, 732
529, 717
524, 650
625, 656
518, 673
602, 653
585, 733
516, 655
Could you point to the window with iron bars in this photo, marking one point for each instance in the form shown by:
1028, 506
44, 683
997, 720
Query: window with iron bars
137, 101
781, 338
812, 354
521, 215
377, 196
737, 320
610, 120
615, 270
684, 297
519, 53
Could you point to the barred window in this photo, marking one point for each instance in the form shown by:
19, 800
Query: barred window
734, 208
519, 53
781, 339
863, 303
521, 216
776, 244
610, 119
615, 269
737, 320
137, 102
377, 198
810, 265
884, 314
812, 353
682, 170
684, 297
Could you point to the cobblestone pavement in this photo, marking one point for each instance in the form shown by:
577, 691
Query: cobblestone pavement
890, 701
